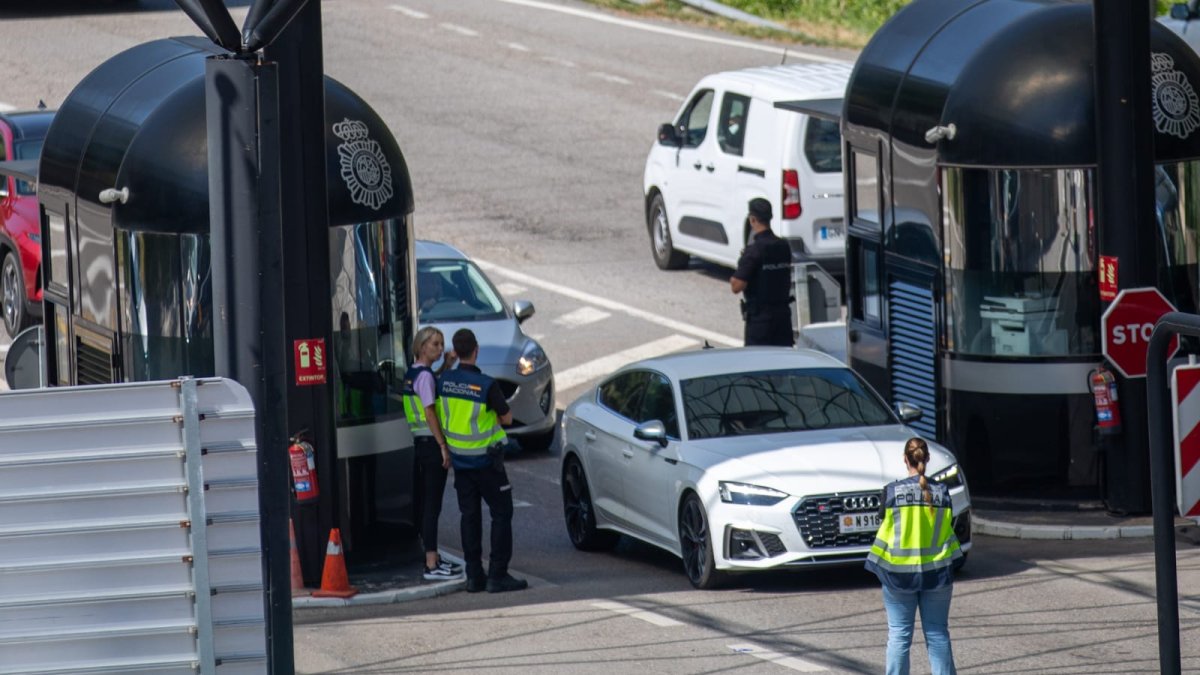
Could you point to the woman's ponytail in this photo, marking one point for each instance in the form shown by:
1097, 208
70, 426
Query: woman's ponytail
917, 454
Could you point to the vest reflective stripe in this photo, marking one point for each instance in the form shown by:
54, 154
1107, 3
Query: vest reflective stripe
469, 426
414, 411
915, 537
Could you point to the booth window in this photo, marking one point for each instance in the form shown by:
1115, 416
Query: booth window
866, 187
1019, 276
694, 120
369, 270
864, 276
1177, 211
731, 134
823, 145
56, 222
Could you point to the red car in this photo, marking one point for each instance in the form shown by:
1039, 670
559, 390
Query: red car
21, 136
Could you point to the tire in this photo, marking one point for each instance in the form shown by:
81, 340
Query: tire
540, 442
12, 295
696, 545
665, 255
578, 512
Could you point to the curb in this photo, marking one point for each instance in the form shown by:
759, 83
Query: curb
996, 528
419, 592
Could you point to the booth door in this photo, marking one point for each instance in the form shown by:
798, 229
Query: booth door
912, 344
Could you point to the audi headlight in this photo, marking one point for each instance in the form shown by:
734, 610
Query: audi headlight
950, 476
533, 359
751, 495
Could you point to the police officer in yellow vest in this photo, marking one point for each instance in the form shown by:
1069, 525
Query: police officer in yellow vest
914, 556
471, 409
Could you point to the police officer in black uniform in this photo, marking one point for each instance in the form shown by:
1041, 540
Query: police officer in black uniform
764, 275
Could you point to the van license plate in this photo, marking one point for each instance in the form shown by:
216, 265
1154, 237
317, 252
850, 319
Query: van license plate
831, 232
852, 523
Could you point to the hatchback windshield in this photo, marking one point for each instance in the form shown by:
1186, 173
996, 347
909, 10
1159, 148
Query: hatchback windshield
455, 290
777, 401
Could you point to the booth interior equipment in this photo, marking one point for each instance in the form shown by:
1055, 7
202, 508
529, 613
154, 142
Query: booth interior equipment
124, 194
970, 147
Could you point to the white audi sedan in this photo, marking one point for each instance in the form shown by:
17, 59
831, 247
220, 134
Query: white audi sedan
740, 460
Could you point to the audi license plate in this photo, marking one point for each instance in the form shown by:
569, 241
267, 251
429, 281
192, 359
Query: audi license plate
852, 523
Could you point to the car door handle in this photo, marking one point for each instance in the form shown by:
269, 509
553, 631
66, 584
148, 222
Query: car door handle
710, 168
696, 166
628, 453
589, 435
742, 168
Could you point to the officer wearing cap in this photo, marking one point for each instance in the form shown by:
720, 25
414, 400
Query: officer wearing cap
764, 277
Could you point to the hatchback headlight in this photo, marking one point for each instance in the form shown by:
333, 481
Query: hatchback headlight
751, 495
533, 359
950, 476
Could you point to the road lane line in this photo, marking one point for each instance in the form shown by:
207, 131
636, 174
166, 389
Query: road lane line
461, 30
779, 659
581, 317
508, 288
7, 107
667, 94
627, 610
408, 12
671, 324
604, 365
615, 79
559, 62
662, 30
516, 46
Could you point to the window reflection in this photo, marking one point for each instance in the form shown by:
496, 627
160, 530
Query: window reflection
1177, 211
368, 268
1020, 279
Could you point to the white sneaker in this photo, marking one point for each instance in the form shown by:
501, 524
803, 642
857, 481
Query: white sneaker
440, 573
447, 565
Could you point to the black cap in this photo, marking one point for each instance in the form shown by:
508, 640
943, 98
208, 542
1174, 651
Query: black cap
761, 209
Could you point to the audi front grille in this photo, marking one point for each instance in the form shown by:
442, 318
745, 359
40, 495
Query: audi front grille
817, 519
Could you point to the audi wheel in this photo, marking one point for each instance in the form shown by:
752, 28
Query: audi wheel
696, 545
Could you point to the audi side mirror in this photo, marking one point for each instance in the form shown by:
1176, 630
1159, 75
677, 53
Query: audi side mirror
908, 412
653, 431
668, 134
1180, 11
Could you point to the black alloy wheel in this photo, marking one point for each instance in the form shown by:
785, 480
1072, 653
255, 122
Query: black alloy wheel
579, 513
12, 294
665, 255
696, 545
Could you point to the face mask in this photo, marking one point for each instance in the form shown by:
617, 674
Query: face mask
733, 129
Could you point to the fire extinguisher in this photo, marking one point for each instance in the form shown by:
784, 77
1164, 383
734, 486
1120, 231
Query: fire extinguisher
304, 470
1104, 394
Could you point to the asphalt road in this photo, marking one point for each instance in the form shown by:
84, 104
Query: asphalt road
526, 125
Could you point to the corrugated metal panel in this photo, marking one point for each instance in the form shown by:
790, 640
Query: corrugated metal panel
129, 532
913, 351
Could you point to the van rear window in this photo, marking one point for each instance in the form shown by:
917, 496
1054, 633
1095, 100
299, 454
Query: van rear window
823, 145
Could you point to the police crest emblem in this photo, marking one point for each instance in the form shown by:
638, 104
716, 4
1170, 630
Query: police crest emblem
1175, 104
364, 167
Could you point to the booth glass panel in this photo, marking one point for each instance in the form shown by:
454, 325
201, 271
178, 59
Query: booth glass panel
369, 269
56, 224
1177, 211
866, 187
1020, 247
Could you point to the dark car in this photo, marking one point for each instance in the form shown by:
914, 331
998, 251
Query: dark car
21, 136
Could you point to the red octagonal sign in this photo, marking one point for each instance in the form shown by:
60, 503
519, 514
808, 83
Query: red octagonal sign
1127, 325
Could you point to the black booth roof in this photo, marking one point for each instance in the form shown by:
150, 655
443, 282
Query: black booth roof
1015, 77
138, 121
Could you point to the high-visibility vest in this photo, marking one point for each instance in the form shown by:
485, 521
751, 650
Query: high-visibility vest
469, 425
414, 409
915, 547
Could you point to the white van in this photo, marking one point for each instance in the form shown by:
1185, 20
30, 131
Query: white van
730, 143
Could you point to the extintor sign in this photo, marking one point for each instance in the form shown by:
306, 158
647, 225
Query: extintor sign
310, 361
1108, 277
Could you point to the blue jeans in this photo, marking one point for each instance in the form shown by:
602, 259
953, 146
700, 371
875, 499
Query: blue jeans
901, 609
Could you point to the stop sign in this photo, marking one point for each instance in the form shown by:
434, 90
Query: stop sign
1127, 325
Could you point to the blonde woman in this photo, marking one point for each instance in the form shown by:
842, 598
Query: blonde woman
913, 555
432, 458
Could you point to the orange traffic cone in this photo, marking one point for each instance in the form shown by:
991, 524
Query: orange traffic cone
334, 582
297, 576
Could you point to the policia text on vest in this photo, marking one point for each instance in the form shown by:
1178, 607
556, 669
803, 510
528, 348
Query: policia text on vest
764, 277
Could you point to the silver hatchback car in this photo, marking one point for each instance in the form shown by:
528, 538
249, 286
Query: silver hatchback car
454, 293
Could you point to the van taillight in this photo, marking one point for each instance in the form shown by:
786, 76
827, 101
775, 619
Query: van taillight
791, 194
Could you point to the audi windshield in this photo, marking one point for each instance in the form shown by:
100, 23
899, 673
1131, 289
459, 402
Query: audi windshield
779, 401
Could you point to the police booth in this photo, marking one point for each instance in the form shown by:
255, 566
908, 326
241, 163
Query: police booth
970, 153
124, 193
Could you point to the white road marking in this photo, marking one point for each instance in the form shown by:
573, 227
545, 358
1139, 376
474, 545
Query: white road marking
537, 336
408, 12
779, 659
663, 30
583, 316
559, 62
670, 324
615, 79
667, 94
648, 617
516, 46
7, 107
521, 504
461, 30
508, 288
604, 365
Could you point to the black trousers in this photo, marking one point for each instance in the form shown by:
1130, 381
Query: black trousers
772, 328
489, 484
429, 480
